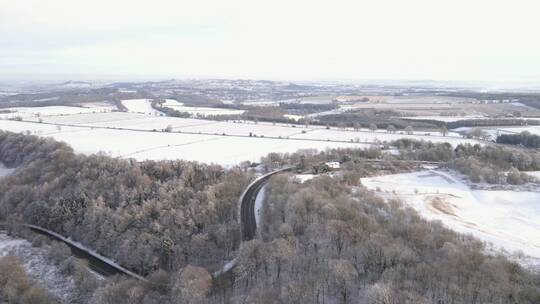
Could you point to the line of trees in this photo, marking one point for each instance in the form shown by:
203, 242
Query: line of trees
525, 139
481, 163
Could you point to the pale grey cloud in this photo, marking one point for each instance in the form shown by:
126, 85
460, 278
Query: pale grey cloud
385, 39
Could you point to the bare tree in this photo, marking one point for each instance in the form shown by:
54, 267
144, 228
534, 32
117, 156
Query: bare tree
444, 131
192, 285
409, 130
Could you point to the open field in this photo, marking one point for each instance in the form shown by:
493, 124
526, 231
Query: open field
442, 108
199, 111
141, 145
142, 106
33, 112
142, 136
447, 118
509, 220
381, 136
139, 121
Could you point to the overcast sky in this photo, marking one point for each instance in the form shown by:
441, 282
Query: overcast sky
271, 39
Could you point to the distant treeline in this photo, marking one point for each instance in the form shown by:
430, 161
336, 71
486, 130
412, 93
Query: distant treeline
529, 99
382, 119
157, 105
525, 139
306, 108
70, 98
196, 100
492, 122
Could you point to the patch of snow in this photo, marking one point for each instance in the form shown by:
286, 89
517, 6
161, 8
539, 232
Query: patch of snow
534, 174
143, 106
367, 136
228, 266
172, 103
270, 103
39, 269
446, 118
294, 117
200, 111
258, 205
304, 177
5, 171
33, 112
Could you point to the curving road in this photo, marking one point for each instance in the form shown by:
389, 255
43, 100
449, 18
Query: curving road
248, 224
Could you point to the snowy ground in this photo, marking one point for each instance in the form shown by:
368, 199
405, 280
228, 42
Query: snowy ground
140, 135
446, 118
380, 136
39, 268
516, 130
201, 111
141, 145
304, 177
243, 128
507, 220
142, 106
36, 264
28, 112
493, 132
294, 117
5, 171
258, 205
534, 173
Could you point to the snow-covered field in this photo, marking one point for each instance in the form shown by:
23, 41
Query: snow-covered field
534, 174
141, 145
380, 136
39, 268
142, 136
29, 112
447, 118
508, 220
199, 111
294, 117
243, 128
142, 106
